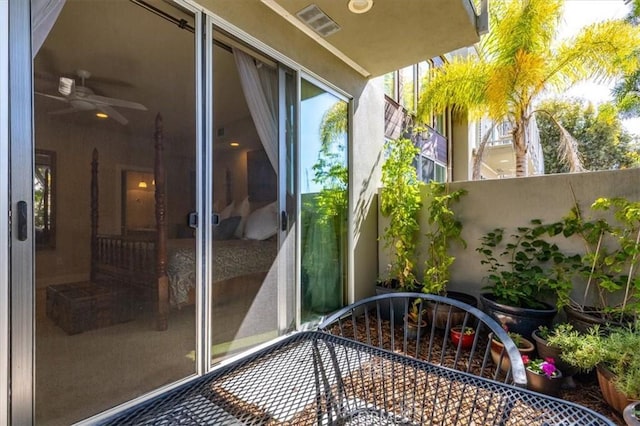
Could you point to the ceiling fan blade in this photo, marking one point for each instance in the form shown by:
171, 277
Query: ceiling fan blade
63, 111
103, 100
113, 114
58, 98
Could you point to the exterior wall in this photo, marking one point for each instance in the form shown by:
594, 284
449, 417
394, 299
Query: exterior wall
461, 153
508, 203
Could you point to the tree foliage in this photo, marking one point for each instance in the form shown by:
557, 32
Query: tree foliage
520, 59
603, 144
627, 90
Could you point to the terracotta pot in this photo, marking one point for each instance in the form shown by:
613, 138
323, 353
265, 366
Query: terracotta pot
616, 399
457, 335
629, 414
526, 348
543, 383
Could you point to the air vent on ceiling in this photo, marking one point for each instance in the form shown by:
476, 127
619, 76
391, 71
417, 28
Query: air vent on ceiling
317, 20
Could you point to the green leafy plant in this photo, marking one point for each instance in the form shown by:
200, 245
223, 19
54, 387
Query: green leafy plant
526, 267
444, 228
517, 338
612, 253
617, 350
401, 203
545, 332
415, 314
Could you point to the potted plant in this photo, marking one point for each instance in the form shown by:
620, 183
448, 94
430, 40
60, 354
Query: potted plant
415, 322
524, 269
444, 229
609, 265
462, 336
631, 414
546, 350
499, 356
400, 202
614, 355
542, 375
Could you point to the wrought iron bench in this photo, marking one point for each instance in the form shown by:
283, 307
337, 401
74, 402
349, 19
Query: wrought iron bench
379, 321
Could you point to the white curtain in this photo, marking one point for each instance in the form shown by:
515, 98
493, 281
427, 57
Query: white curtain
260, 87
44, 14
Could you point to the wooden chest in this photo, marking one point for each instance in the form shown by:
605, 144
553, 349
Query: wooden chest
79, 307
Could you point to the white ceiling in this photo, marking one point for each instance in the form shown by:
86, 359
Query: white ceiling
134, 55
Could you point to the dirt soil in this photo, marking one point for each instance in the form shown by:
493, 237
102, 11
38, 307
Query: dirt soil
584, 390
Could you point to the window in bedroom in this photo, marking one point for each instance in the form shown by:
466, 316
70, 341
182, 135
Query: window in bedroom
324, 189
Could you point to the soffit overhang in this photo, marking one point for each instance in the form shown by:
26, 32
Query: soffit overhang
393, 34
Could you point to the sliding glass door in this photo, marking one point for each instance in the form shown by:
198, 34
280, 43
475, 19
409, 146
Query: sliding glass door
113, 183
324, 200
252, 199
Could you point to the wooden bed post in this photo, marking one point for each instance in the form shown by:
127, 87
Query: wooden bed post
161, 230
94, 213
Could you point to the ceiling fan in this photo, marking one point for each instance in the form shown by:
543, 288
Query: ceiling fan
81, 98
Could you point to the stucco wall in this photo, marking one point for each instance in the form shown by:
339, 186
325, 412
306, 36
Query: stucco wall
508, 203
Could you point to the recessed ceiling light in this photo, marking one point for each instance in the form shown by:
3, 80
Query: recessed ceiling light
234, 144
101, 115
360, 6
504, 161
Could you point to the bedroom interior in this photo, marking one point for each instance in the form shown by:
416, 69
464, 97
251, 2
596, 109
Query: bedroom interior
103, 251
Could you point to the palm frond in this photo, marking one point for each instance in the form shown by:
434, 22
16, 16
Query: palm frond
460, 84
529, 26
600, 51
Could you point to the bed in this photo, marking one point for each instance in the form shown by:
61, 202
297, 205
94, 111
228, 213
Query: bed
160, 272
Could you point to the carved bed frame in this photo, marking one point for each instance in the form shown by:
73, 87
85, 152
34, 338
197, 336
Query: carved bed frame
138, 263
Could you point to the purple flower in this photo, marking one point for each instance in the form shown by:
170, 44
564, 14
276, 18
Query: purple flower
548, 368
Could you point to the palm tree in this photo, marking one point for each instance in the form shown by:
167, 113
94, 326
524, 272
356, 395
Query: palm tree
520, 59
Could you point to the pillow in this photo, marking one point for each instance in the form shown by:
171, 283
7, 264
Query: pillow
226, 212
262, 223
243, 211
226, 228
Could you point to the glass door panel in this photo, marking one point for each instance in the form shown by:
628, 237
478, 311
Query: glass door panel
115, 260
244, 291
324, 204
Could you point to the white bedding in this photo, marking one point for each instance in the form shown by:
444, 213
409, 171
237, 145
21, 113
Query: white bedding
232, 258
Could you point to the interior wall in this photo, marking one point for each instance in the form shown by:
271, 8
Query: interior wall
118, 150
509, 203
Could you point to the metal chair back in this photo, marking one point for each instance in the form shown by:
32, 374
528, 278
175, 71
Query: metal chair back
380, 321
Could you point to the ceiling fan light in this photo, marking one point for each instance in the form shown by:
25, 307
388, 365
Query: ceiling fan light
101, 115
360, 6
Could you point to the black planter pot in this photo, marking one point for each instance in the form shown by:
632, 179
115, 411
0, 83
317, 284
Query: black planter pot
583, 321
463, 297
439, 315
385, 309
546, 351
518, 320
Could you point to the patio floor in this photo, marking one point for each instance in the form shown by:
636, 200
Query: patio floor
586, 391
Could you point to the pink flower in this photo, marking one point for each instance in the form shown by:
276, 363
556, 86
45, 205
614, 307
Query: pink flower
525, 359
548, 368
550, 360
